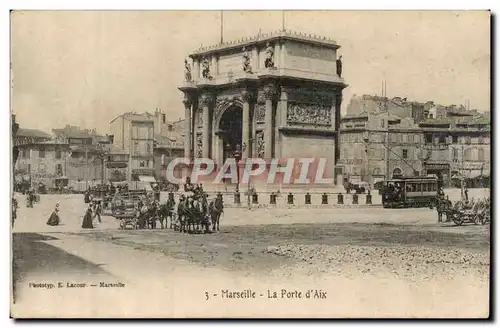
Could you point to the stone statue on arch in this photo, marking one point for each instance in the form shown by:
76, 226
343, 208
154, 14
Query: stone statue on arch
247, 67
187, 71
339, 66
206, 69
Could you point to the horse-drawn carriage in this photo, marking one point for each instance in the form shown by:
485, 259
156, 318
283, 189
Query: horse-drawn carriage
124, 208
477, 212
195, 214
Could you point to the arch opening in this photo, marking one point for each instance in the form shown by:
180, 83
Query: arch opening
230, 130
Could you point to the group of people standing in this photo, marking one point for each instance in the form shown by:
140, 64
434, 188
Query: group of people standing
30, 197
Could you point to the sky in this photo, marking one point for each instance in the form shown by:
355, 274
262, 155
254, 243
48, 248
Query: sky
87, 67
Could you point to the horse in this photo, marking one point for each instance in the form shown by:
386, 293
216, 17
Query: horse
204, 215
197, 218
143, 216
167, 211
216, 208
182, 213
153, 215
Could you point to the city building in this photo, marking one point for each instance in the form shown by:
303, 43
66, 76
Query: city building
458, 148
117, 163
134, 135
397, 106
168, 144
275, 95
167, 149
85, 158
40, 159
377, 145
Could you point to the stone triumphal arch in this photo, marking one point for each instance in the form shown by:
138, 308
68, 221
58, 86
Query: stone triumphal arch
273, 95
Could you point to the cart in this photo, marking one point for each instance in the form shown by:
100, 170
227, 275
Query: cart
127, 221
123, 208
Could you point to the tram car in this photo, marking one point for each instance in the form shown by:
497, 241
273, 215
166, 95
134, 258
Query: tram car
409, 192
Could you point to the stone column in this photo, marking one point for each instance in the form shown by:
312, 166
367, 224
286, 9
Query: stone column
280, 119
334, 111
268, 124
206, 101
189, 133
245, 133
337, 103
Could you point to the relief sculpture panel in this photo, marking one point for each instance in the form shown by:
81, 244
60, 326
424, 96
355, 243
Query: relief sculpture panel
199, 117
260, 113
308, 114
199, 145
259, 144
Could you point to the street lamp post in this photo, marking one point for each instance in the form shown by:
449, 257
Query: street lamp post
366, 139
237, 157
102, 155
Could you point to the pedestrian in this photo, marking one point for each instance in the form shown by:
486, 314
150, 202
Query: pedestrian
97, 211
29, 198
439, 209
466, 193
54, 219
87, 219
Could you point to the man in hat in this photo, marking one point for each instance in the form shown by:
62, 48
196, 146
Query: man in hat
97, 211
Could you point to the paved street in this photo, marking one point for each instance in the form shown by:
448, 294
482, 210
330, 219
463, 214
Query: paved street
371, 261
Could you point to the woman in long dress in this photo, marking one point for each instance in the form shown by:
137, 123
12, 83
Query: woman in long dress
87, 219
54, 217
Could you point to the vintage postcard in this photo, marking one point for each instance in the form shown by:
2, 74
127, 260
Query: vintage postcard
250, 164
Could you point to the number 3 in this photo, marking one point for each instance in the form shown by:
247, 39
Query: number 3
206, 295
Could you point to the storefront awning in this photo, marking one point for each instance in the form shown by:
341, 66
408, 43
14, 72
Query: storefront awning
146, 178
474, 174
